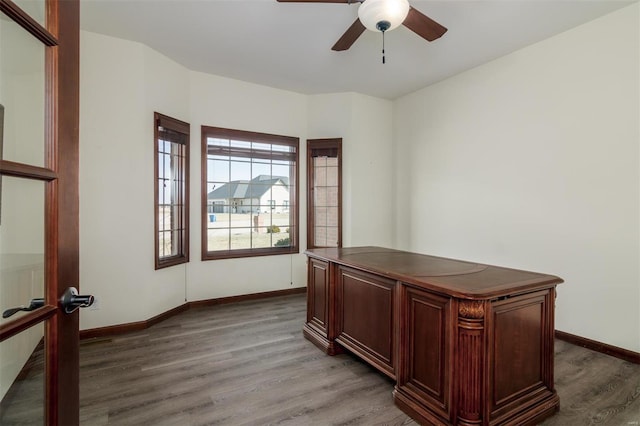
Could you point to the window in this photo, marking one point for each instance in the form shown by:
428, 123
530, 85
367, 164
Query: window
249, 194
171, 191
324, 193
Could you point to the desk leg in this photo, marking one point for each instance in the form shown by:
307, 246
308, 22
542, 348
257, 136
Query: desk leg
330, 347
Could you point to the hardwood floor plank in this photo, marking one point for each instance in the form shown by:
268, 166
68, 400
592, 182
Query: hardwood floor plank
595, 389
247, 363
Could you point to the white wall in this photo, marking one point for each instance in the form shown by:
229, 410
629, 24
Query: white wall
122, 83
529, 161
366, 127
223, 102
166, 86
532, 161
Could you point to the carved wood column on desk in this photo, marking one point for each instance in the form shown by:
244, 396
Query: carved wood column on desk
467, 344
470, 360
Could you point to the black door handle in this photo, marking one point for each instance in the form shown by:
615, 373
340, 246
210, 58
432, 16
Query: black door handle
33, 305
71, 300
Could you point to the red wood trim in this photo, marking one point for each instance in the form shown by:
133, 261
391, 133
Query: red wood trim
234, 254
311, 222
172, 123
204, 245
32, 318
242, 135
34, 28
604, 348
184, 128
166, 315
10, 168
156, 219
113, 330
63, 259
245, 297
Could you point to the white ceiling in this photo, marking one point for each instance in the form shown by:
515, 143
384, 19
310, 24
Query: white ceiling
288, 45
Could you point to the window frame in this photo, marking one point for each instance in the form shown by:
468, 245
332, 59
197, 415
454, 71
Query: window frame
294, 191
316, 146
182, 256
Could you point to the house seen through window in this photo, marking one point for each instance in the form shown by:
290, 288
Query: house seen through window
249, 193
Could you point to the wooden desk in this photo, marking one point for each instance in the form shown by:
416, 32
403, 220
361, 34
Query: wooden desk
467, 344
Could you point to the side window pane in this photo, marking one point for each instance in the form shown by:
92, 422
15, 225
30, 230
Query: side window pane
249, 189
324, 213
172, 189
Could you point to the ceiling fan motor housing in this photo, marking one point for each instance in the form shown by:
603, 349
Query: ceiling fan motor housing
383, 25
383, 15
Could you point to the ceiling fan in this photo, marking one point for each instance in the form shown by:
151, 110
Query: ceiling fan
383, 15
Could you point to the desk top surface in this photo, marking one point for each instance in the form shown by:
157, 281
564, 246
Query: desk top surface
457, 278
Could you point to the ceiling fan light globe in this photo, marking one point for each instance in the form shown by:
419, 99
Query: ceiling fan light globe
371, 12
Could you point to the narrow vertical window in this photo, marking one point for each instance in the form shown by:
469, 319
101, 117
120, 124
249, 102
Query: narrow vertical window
171, 191
324, 193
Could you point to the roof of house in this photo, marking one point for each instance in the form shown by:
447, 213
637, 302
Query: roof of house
254, 188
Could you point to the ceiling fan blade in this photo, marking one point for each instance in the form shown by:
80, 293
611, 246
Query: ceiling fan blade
319, 1
349, 37
424, 26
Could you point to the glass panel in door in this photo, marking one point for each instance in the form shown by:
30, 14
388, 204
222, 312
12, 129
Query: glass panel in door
22, 378
22, 94
22, 242
35, 9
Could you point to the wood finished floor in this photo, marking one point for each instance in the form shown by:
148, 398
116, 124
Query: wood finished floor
248, 364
